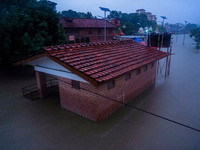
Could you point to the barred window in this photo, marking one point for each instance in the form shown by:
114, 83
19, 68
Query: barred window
138, 71
128, 76
145, 68
111, 84
75, 84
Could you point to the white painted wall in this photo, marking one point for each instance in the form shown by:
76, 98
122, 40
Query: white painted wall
40, 64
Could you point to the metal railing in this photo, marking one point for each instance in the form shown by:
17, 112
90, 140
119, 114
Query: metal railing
32, 92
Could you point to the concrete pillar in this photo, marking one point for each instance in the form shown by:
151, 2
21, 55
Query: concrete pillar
41, 84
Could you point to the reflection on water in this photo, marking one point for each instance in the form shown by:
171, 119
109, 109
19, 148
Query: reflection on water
43, 124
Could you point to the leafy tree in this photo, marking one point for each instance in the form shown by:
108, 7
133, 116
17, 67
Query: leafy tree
196, 34
128, 28
132, 21
115, 14
190, 26
26, 26
73, 14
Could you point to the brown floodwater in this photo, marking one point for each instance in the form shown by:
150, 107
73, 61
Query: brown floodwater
43, 124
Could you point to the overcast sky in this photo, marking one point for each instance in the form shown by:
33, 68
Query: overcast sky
176, 11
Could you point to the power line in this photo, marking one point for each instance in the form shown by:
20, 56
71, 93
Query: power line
144, 111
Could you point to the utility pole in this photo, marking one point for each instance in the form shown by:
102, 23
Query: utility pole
184, 33
163, 17
104, 9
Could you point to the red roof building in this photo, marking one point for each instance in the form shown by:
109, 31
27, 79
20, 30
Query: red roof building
91, 74
140, 11
81, 30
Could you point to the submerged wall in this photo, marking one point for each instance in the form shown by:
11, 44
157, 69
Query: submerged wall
84, 102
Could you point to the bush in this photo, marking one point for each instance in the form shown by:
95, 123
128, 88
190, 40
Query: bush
196, 34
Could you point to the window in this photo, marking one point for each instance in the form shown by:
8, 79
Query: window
75, 84
90, 31
145, 68
152, 64
87, 40
138, 71
111, 84
99, 31
82, 40
128, 76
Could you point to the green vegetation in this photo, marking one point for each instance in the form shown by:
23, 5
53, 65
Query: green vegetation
196, 34
190, 26
130, 23
26, 26
73, 14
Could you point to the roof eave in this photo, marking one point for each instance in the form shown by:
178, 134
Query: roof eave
78, 73
22, 62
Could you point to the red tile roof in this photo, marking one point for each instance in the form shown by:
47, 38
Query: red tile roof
85, 23
103, 61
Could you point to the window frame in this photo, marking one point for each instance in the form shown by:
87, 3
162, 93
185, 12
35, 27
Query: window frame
90, 31
127, 76
138, 71
152, 64
111, 84
76, 84
145, 68
99, 31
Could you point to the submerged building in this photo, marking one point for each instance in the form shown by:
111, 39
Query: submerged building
92, 75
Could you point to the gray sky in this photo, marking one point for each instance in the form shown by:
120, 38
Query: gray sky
176, 11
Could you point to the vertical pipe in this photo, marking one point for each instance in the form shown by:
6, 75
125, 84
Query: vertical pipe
169, 65
105, 26
166, 67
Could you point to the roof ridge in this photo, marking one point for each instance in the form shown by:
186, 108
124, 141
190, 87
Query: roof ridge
78, 45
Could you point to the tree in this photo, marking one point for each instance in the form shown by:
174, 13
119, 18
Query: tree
128, 28
73, 14
26, 26
115, 14
196, 34
132, 21
190, 26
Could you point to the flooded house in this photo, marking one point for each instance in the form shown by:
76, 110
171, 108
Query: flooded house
91, 75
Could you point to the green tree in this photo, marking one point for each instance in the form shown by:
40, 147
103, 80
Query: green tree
73, 14
133, 21
26, 26
196, 34
190, 26
128, 28
115, 14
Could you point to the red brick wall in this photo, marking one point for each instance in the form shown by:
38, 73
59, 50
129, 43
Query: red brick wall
97, 108
94, 37
41, 84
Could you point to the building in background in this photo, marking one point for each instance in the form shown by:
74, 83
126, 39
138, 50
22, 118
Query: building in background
82, 30
150, 16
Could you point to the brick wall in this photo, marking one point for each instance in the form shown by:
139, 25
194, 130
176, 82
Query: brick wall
96, 107
41, 84
94, 37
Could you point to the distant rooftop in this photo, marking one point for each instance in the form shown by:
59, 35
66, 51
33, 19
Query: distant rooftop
85, 23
